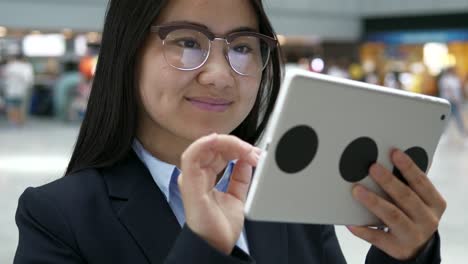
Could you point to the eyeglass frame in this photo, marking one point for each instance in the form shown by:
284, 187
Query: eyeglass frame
164, 30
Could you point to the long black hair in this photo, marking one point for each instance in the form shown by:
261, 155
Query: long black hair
110, 123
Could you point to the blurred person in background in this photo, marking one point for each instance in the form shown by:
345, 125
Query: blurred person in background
19, 78
164, 158
79, 99
392, 80
372, 78
2, 85
370, 73
465, 86
338, 69
304, 63
80, 95
450, 88
65, 88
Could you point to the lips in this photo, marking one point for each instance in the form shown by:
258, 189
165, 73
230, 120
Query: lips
210, 104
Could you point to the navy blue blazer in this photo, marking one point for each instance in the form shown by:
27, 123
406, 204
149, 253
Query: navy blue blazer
118, 215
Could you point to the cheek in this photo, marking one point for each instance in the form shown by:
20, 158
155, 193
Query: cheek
148, 89
250, 92
155, 78
152, 88
161, 88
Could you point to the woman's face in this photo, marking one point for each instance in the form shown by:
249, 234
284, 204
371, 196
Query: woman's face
181, 106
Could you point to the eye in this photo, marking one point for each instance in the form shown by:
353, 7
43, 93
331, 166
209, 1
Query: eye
187, 43
242, 49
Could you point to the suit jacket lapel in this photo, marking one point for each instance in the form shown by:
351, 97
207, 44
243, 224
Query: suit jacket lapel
142, 207
144, 211
267, 241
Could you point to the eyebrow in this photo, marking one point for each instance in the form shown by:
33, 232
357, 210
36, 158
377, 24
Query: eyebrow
238, 29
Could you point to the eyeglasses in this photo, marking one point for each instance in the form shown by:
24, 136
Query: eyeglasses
187, 47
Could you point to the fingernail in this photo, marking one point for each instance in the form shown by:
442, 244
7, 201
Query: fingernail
400, 157
211, 137
258, 150
377, 170
360, 192
254, 155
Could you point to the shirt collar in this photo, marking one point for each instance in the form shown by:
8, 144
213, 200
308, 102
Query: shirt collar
159, 170
165, 175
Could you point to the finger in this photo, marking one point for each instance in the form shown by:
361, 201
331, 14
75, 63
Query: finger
198, 151
388, 213
381, 239
194, 185
219, 162
232, 148
195, 180
217, 165
419, 182
403, 196
207, 156
259, 151
240, 180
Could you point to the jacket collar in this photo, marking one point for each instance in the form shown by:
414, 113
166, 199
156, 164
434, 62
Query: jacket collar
143, 209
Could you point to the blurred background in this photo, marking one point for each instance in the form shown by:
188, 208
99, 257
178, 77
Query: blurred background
49, 48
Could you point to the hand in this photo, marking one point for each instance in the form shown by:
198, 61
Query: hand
215, 216
412, 217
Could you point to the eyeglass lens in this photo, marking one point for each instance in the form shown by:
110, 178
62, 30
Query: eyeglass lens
188, 49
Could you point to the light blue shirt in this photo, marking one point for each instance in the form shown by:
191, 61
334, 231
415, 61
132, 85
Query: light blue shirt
165, 176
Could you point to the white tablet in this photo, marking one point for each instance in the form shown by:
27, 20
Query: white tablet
322, 138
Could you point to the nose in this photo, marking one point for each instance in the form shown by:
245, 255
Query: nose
216, 72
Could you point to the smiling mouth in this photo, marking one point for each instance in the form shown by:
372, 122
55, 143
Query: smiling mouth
210, 104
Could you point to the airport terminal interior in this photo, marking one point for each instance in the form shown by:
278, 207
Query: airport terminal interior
420, 46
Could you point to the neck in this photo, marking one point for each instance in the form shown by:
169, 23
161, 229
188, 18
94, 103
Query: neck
162, 144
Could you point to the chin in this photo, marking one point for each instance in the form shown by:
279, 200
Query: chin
198, 133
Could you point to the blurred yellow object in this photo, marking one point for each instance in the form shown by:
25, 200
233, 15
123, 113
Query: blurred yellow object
356, 72
416, 84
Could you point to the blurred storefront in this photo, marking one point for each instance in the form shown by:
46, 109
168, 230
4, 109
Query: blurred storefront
416, 49
319, 55
403, 52
50, 52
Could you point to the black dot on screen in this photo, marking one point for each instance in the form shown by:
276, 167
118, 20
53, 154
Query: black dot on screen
356, 159
419, 156
296, 149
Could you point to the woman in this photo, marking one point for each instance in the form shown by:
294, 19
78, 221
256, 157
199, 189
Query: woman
183, 88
